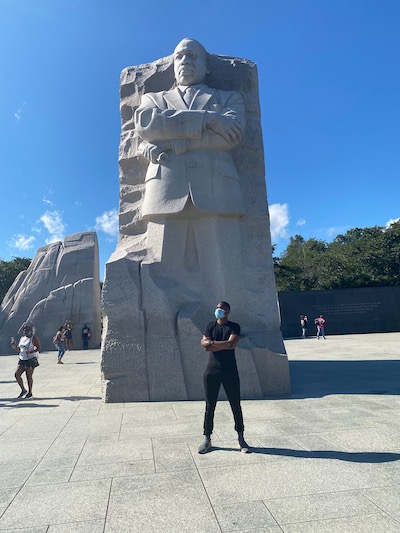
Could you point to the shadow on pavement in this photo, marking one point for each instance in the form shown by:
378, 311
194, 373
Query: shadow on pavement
354, 457
312, 379
21, 402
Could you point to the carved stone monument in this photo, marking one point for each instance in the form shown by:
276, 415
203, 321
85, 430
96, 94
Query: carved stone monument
194, 230
62, 283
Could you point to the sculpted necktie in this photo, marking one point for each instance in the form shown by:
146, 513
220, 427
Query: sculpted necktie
189, 95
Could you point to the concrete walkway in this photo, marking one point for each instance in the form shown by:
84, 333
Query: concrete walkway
325, 460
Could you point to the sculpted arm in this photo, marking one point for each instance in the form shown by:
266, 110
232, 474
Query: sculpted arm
154, 124
183, 130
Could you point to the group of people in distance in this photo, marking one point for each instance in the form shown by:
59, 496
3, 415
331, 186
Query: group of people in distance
28, 348
319, 322
63, 339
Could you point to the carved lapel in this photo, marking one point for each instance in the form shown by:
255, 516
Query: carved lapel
202, 98
175, 99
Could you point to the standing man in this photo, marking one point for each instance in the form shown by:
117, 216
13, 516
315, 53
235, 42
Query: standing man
220, 339
303, 324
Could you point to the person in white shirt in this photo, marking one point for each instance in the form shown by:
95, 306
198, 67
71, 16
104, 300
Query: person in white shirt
28, 348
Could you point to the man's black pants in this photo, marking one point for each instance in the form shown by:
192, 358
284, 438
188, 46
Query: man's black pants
229, 378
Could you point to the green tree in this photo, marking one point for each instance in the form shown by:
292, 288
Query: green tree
362, 257
9, 270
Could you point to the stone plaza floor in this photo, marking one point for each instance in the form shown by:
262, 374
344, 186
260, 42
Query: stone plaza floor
325, 460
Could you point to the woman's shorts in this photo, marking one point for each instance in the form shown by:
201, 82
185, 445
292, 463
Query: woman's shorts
30, 363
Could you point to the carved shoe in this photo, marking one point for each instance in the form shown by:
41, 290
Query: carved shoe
205, 445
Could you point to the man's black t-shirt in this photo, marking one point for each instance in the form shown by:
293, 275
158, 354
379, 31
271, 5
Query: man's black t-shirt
221, 332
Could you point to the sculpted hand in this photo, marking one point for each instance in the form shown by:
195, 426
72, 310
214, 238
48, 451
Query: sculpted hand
156, 153
224, 126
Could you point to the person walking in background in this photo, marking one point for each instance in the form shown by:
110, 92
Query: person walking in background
86, 334
28, 348
303, 324
220, 339
68, 334
320, 323
59, 343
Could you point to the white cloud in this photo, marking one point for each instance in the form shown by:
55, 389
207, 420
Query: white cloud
18, 113
331, 231
279, 216
300, 222
108, 222
336, 230
46, 201
52, 221
390, 222
20, 242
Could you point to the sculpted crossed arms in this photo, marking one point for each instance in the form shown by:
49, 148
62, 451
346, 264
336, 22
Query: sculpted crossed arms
181, 130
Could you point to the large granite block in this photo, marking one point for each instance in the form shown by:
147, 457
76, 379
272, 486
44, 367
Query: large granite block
62, 283
194, 230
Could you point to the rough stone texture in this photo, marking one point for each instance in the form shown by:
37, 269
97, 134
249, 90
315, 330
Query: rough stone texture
62, 283
154, 320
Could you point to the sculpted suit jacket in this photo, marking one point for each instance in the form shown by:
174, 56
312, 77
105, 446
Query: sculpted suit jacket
200, 165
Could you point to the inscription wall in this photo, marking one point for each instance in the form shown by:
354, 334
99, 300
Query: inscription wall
369, 310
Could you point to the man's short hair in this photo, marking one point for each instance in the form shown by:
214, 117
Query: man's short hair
226, 305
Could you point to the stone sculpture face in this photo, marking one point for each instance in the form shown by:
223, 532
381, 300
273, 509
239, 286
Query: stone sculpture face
190, 62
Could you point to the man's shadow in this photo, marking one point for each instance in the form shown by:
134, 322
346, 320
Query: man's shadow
353, 457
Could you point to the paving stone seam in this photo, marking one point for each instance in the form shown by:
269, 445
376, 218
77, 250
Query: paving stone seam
76, 462
153, 454
205, 490
34, 469
337, 519
377, 505
271, 513
108, 505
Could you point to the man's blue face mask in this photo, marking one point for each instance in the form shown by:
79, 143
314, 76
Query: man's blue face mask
219, 313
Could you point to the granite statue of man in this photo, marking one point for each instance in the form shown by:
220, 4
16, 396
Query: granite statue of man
188, 135
194, 229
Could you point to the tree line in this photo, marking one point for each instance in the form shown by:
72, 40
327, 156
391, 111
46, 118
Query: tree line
9, 270
362, 257
368, 257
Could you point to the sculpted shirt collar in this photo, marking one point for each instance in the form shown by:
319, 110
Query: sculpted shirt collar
196, 87
176, 100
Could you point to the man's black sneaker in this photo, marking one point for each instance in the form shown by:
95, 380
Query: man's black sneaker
205, 445
22, 394
29, 395
244, 447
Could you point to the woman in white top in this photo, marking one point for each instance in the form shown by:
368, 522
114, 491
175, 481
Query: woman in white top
28, 348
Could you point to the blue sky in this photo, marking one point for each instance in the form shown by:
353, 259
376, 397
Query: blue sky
329, 76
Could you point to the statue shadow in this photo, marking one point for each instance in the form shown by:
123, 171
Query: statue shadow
313, 379
353, 457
